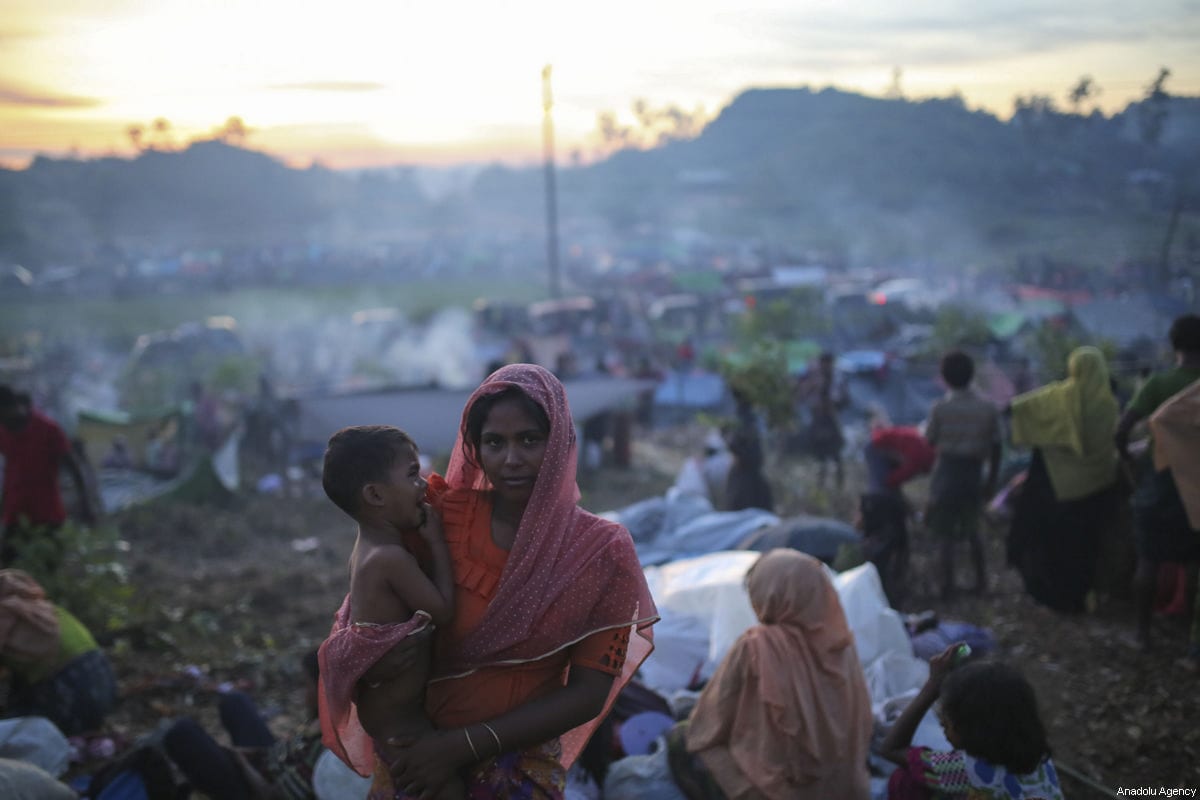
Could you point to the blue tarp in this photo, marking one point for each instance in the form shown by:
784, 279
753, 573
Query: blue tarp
690, 389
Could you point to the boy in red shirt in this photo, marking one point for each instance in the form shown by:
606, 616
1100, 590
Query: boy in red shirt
35, 449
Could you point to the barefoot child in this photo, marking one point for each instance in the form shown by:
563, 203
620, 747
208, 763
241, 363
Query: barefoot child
989, 713
373, 474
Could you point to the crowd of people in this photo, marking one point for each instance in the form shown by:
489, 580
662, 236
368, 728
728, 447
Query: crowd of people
490, 623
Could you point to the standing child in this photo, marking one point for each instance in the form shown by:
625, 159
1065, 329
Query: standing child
373, 473
895, 455
989, 713
965, 430
825, 393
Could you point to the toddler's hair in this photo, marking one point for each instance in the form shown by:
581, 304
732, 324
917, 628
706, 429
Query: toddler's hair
357, 456
994, 713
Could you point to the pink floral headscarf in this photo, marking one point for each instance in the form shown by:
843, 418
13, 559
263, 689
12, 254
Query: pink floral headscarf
569, 574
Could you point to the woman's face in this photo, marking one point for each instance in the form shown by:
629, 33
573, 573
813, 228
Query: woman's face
512, 446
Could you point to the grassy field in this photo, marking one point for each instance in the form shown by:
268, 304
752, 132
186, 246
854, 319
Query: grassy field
119, 321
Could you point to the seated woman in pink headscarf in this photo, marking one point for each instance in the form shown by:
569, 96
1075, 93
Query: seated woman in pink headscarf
787, 713
552, 611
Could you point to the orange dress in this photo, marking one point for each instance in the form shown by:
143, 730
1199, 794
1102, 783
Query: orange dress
536, 773
491, 691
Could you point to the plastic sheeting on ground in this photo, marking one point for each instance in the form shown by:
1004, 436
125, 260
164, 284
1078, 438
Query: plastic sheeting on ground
705, 608
642, 778
928, 644
687, 526
683, 524
36, 740
333, 780
820, 537
649, 519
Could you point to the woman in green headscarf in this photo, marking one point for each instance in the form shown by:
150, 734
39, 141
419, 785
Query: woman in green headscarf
1068, 494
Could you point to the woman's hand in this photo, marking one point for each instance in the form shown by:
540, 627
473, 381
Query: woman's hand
421, 766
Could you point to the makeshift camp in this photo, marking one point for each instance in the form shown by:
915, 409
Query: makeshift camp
432, 415
204, 478
150, 441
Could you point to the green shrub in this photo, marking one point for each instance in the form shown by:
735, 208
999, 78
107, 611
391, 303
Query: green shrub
88, 578
760, 373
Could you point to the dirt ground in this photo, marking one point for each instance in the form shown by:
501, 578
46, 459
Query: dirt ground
237, 594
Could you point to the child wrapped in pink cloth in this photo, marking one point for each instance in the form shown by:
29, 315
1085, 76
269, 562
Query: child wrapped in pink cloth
373, 473
349, 651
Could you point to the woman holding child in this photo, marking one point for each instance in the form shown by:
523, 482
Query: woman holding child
546, 598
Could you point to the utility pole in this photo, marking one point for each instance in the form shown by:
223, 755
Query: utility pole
551, 191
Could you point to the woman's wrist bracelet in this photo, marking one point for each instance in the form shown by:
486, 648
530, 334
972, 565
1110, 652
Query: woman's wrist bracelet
467, 733
492, 731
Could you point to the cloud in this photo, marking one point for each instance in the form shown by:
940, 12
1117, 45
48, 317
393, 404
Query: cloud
330, 86
15, 96
957, 34
10, 36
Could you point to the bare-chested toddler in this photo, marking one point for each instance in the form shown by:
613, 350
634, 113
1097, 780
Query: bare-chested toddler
373, 473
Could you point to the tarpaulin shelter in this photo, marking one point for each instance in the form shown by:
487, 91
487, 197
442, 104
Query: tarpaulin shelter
432, 415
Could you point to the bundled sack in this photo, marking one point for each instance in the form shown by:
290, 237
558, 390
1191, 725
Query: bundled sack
28, 624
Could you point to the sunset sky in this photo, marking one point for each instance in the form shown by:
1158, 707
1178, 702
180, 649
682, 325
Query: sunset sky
364, 83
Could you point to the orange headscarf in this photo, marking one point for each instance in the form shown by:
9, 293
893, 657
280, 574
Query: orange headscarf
787, 713
1176, 429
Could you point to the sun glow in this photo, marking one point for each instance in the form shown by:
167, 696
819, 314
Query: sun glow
402, 80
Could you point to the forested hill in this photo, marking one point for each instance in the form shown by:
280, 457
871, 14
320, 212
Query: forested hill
887, 178
848, 168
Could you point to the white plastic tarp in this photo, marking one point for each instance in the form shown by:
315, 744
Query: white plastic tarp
704, 608
878, 629
333, 780
36, 740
